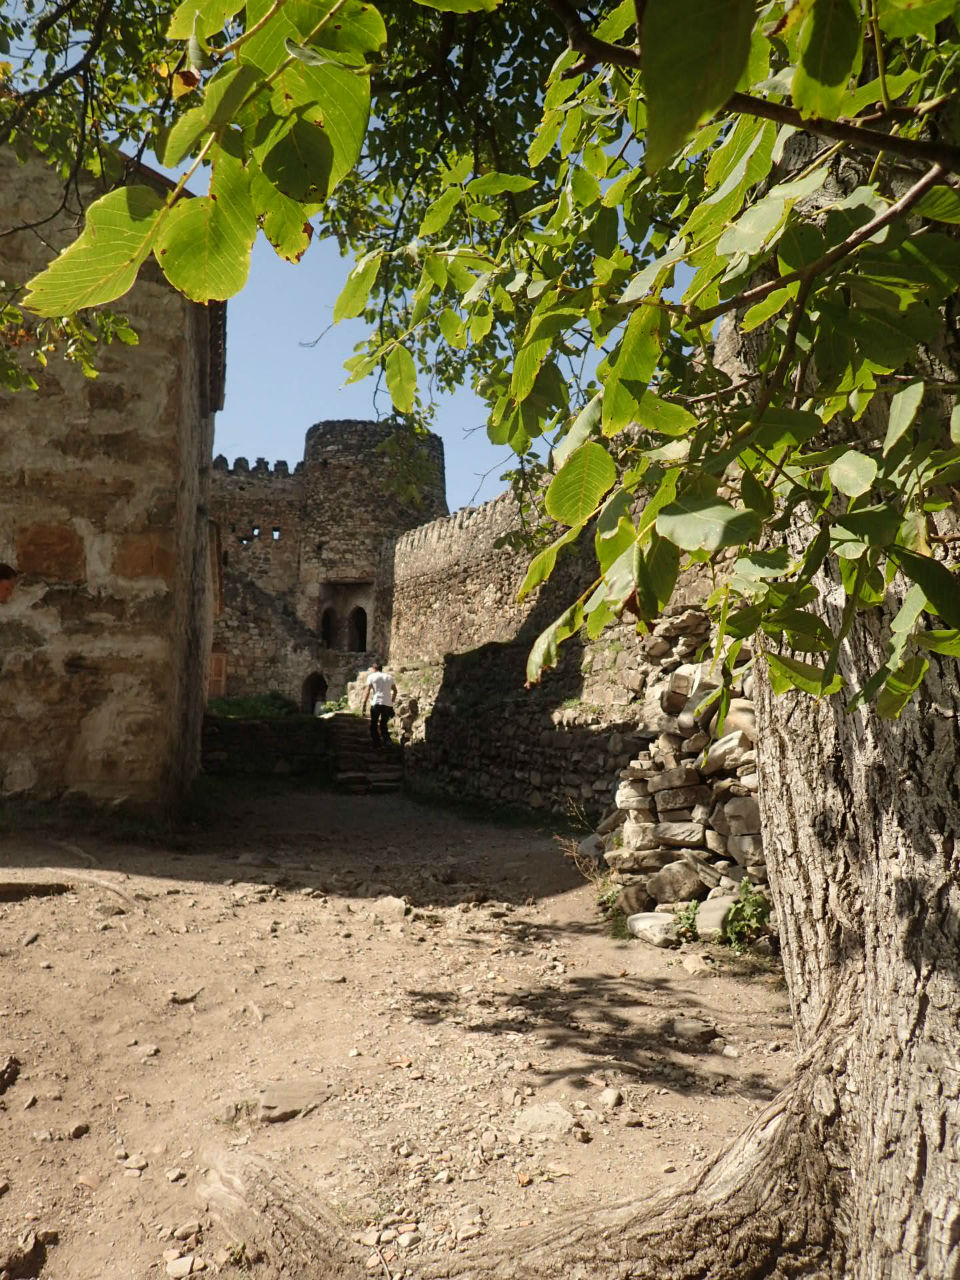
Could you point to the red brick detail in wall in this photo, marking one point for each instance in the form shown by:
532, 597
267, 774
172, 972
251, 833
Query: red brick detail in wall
52, 551
145, 555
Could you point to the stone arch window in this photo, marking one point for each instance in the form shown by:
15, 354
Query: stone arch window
276, 534
314, 690
357, 631
328, 628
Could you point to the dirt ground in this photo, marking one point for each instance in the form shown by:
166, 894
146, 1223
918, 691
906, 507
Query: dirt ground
254, 1008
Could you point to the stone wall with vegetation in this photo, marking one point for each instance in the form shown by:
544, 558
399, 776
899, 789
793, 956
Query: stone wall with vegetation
104, 513
459, 644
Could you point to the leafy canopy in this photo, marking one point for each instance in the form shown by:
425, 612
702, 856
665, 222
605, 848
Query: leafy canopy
707, 247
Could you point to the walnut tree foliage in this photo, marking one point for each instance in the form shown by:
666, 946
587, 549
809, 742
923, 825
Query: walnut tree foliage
567, 204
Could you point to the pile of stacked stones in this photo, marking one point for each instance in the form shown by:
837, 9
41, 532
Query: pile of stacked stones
686, 826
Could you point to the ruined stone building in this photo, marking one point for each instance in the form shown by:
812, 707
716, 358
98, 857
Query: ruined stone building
104, 514
151, 578
303, 603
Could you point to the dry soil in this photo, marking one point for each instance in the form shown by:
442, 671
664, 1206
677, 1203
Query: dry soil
250, 1030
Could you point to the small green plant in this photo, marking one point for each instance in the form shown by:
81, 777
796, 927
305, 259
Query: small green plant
257, 706
685, 918
747, 918
339, 705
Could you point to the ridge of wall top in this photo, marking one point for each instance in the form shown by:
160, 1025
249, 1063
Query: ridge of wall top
448, 536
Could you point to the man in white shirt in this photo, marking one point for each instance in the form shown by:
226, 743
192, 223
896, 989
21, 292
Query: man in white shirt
384, 689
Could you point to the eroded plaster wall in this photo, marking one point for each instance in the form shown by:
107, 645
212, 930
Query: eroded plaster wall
103, 512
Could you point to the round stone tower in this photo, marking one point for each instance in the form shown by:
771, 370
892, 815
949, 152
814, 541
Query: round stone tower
362, 484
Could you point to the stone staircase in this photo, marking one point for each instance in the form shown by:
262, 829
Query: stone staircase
362, 767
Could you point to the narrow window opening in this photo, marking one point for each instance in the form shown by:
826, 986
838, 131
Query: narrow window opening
276, 535
357, 631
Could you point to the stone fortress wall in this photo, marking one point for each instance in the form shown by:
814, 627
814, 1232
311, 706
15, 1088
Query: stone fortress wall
103, 513
300, 555
459, 643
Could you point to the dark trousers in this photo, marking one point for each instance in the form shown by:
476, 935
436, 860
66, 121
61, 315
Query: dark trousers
380, 718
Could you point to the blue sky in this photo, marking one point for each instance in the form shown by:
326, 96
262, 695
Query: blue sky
277, 386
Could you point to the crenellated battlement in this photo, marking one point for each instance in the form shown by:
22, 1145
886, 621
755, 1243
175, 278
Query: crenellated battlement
261, 469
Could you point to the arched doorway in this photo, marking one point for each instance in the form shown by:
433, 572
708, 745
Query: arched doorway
357, 631
328, 629
314, 691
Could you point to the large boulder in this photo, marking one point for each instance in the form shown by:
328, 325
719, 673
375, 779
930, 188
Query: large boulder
655, 927
676, 882
743, 815
679, 835
712, 916
727, 752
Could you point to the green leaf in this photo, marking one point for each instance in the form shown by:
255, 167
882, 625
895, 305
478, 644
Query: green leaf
494, 184
942, 204
955, 424
542, 564
901, 685
853, 473
203, 246
584, 425
200, 17
354, 294
706, 524
545, 651
768, 307
333, 100
575, 491
903, 410
788, 673
631, 369
939, 585
663, 416
284, 221
645, 281
829, 51
914, 17
401, 379
945, 642
438, 214
301, 163
221, 100
103, 263
461, 6
694, 53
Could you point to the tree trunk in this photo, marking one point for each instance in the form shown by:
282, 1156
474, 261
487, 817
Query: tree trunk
862, 831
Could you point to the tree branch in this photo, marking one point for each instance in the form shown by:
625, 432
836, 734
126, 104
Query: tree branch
842, 250
873, 140
68, 73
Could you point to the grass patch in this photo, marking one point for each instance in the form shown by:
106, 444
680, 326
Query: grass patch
258, 706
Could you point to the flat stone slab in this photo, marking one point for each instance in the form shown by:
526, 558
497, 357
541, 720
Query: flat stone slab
291, 1099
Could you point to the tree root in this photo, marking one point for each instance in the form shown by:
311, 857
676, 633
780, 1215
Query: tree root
765, 1209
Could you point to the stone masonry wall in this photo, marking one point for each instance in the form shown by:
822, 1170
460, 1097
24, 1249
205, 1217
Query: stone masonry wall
103, 512
301, 554
459, 644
